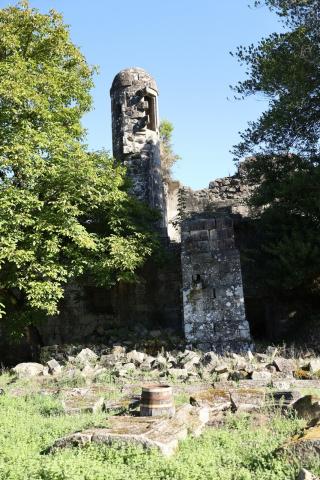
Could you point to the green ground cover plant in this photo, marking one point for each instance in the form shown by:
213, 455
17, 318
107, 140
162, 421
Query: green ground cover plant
239, 450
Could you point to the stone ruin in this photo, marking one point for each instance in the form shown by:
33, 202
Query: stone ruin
203, 290
212, 293
135, 135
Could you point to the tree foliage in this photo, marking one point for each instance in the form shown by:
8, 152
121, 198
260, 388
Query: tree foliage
285, 68
64, 211
168, 157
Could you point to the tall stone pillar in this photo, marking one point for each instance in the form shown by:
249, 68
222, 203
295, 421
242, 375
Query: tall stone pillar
135, 134
213, 303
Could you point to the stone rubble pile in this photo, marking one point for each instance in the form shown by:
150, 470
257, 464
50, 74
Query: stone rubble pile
132, 337
267, 368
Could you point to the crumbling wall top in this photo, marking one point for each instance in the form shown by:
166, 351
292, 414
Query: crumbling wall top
133, 76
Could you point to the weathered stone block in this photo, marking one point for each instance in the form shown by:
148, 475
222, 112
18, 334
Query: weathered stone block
86, 356
247, 399
54, 367
217, 400
135, 357
262, 375
284, 365
161, 434
29, 369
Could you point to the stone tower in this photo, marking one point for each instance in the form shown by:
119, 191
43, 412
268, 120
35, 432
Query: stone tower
135, 135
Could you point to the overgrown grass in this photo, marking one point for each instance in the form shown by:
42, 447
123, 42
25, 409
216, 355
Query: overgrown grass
237, 451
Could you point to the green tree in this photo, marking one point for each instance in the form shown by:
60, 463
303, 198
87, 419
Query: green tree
168, 157
285, 69
64, 212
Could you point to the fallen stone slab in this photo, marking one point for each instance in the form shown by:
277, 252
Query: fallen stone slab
192, 388
82, 400
227, 384
163, 434
88, 371
91, 390
281, 376
36, 388
241, 384
262, 375
47, 391
160, 362
118, 350
193, 416
121, 406
234, 399
210, 360
190, 360
217, 400
109, 360
147, 364
281, 384
305, 383
217, 420
221, 368
239, 375
247, 399
78, 405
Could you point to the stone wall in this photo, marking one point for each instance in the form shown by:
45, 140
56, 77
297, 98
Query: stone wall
98, 315
228, 193
214, 314
271, 319
124, 314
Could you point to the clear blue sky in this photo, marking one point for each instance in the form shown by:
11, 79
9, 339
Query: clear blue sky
185, 45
